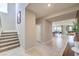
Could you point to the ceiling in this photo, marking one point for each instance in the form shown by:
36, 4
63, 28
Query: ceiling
42, 9
66, 16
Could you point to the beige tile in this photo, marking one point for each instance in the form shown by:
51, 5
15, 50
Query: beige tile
54, 47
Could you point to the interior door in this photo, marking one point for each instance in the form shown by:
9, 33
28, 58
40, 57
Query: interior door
38, 31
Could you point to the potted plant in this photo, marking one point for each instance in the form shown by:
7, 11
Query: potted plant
76, 30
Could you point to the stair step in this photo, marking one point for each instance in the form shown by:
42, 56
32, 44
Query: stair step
8, 43
9, 47
8, 32
3, 35
8, 40
9, 37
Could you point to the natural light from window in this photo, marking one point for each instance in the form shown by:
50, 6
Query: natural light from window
3, 7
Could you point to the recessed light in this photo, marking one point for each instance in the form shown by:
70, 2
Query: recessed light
49, 4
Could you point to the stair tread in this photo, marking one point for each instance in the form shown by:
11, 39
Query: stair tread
9, 47
8, 43
10, 37
7, 32
2, 35
4, 41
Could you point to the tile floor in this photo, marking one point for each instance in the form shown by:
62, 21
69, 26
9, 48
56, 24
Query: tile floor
19, 51
54, 47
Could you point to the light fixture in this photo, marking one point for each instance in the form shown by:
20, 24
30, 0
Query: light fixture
49, 4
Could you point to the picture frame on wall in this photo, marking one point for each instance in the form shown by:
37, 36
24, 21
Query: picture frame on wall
19, 17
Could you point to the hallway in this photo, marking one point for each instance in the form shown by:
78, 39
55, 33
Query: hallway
55, 47
34, 26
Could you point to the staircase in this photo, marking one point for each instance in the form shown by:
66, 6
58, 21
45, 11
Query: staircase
8, 41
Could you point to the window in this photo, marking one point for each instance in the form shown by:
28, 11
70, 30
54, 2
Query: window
57, 28
69, 28
3, 7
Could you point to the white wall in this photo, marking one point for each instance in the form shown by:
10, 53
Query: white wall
30, 28
4, 19
8, 19
46, 30
21, 27
38, 32
3, 7
11, 16
26, 29
0, 21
